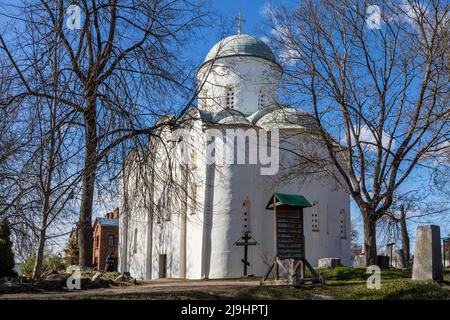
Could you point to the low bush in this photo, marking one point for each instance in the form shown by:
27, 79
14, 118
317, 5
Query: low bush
51, 263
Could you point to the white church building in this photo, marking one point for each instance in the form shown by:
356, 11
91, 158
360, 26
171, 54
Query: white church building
183, 214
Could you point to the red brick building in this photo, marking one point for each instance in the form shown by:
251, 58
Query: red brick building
446, 251
105, 234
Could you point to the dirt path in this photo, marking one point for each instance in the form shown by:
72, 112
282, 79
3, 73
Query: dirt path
152, 286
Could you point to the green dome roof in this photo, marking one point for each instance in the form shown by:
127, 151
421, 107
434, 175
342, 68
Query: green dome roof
241, 44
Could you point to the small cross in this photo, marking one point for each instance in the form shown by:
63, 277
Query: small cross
240, 20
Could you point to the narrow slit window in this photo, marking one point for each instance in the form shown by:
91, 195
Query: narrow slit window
315, 217
261, 98
169, 206
193, 198
111, 241
230, 98
342, 224
135, 241
246, 215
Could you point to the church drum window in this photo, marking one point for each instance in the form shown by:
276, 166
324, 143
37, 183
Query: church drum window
230, 97
262, 98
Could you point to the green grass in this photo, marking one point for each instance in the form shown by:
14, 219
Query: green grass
348, 273
399, 289
350, 284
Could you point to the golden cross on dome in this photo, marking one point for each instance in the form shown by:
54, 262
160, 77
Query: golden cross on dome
240, 22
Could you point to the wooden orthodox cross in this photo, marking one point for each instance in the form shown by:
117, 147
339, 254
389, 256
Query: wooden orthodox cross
246, 243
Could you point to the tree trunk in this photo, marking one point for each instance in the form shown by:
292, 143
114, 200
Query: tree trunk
370, 241
37, 269
405, 236
87, 196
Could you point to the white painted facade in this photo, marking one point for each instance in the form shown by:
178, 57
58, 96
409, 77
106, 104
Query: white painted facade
197, 230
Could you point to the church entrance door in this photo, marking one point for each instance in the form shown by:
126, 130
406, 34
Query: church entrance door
162, 265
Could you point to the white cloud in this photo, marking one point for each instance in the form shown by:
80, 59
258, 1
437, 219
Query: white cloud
266, 10
440, 153
369, 140
289, 53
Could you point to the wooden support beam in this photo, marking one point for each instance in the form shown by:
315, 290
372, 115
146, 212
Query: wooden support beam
268, 271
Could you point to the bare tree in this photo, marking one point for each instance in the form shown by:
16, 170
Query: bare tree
56, 180
44, 182
412, 207
118, 67
379, 93
14, 141
395, 226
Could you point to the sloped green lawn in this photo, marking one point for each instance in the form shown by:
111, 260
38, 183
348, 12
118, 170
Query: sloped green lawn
350, 284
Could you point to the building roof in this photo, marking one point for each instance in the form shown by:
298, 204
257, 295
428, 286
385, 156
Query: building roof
293, 200
230, 116
240, 45
107, 222
283, 117
275, 116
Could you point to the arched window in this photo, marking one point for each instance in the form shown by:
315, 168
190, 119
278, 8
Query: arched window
342, 224
111, 240
204, 98
168, 206
135, 241
193, 198
230, 97
262, 98
193, 158
165, 167
315, 217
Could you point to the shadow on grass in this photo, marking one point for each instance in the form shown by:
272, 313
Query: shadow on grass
349, 273
253, 293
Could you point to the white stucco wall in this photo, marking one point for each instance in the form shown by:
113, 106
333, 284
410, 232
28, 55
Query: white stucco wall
228, 188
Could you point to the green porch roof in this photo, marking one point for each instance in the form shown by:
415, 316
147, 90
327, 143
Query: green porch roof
294, 200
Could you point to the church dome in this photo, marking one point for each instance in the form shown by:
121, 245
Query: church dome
240, 45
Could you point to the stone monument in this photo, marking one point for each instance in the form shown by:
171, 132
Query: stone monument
399, 259
427, 255
329, 262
